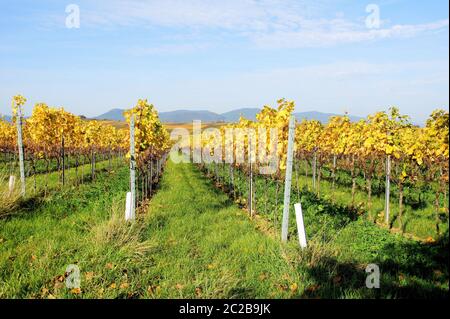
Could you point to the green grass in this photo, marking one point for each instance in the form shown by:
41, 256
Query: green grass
208, 247
37, 186
194, 242
419, 219
10, 164
40, 241
410, 268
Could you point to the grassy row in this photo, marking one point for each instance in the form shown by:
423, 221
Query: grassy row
419, 222
419, 215
194, 242
42, 239
191, 243
39, 185
409, 267
11, 166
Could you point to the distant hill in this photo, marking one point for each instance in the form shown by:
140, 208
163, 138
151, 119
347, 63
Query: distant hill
184, 116
113, 115
180, 116
248, 113
322, 117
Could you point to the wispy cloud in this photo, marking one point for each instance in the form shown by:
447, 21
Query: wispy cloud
230, 15
165, 49
266, 23
335, 32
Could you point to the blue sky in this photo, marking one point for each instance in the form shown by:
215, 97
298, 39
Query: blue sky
223, 55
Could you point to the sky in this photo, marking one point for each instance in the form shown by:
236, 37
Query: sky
332, 56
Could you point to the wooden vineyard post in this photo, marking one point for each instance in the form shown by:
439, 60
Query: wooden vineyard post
132, 195
63, 155
93, 164
288, 180
334, 176
109, 158
388, 188
20, 146
232, 181
250, 185
151, 177
314, 170
157, 167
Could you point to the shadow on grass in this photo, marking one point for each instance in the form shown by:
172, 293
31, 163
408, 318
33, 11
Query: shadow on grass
344, 213
36, 202
408, 270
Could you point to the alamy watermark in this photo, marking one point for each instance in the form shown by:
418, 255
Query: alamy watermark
73, 277
373, 20
373, 277
227, 145
73, 16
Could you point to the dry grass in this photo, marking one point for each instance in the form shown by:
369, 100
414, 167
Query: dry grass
122, 235
9, 201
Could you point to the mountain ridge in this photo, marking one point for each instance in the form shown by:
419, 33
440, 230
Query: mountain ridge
184, 116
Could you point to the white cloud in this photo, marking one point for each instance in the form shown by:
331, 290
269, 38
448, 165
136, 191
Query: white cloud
168, 49
231, 14
267, 23
337, 32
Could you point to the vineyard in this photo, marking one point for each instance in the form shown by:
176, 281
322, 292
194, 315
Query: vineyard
373, 192
384, 155
55, 140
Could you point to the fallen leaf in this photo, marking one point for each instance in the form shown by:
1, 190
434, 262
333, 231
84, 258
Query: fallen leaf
58, 285
76, 291
282, 287
179, 286
294, 287
124, 285
113, 286
198, 291
109, 266
89, 275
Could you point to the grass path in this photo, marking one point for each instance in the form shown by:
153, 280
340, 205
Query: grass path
38, 243
193, 242
208, 247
